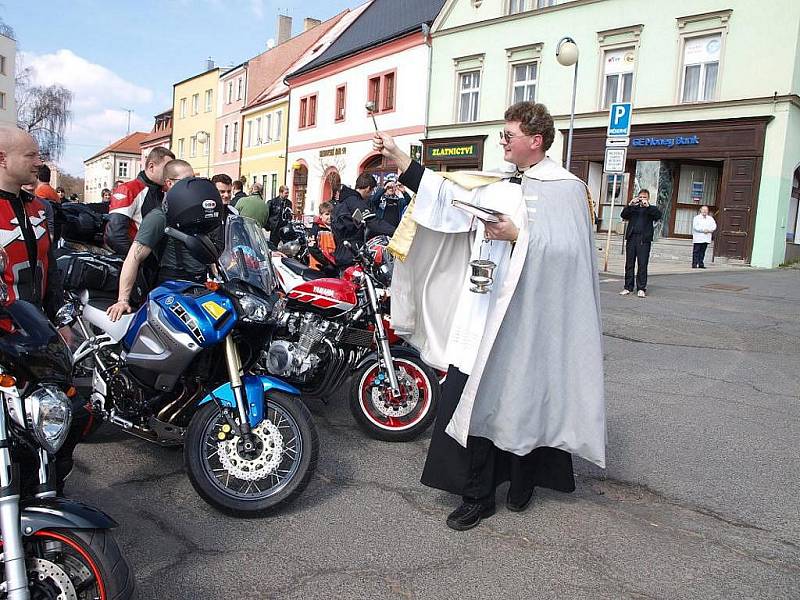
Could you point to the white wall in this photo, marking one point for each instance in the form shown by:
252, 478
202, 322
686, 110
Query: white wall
8, 49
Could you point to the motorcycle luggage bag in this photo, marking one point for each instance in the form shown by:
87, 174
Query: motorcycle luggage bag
84, 270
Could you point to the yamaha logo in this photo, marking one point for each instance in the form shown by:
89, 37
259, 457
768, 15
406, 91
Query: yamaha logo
209, 204
324, 292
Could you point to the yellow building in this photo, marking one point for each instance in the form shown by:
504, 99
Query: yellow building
194, 106
264, 127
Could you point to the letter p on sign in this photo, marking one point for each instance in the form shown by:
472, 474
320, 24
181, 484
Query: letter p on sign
619, 119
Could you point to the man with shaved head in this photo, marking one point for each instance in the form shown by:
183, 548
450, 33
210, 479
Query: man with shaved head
31, 273
174, 171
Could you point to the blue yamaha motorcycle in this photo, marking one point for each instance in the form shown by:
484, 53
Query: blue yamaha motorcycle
175, 372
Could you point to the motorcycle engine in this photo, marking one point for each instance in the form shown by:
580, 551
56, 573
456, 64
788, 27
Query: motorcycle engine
298, 355
126, 395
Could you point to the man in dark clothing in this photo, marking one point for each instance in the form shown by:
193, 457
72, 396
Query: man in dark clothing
25, 240
280, 214
132, 200
389, 203
638, 238
238, 192
345, 229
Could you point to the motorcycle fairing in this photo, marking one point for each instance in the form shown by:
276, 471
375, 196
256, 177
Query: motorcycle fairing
255, 387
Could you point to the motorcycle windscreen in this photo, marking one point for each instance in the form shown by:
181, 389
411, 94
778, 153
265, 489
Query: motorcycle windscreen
247, 256
30, 347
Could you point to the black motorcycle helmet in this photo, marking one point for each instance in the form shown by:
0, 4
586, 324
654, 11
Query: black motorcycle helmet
193, 206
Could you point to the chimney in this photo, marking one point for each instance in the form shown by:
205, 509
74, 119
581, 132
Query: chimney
209, 63
284, 28
309, 23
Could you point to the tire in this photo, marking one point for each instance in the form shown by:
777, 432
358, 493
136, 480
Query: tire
372, 404
213, 465
90, 558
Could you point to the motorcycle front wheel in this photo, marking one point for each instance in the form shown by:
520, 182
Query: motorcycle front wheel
252, 483
84, 564
395, 419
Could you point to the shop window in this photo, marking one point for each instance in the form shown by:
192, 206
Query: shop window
523, 82
697, 185
701, 56
208, 100
195, 104
618, 67
340, 103
469, 85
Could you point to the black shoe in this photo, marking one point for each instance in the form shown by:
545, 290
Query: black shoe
701, 266
468, 515
694, 266
518, 502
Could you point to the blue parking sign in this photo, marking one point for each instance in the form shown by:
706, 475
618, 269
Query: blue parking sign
619, 119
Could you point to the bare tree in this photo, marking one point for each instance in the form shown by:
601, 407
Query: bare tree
43, 111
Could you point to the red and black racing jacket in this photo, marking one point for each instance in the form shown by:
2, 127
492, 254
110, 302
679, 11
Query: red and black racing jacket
24, 237
130, 202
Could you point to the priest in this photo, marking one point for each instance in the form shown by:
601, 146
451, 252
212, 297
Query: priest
524, 387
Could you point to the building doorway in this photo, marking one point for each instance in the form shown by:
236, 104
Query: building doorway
379, 167
299, 187
331, 184
697, 184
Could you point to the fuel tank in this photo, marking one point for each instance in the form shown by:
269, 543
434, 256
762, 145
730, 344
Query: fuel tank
328, 297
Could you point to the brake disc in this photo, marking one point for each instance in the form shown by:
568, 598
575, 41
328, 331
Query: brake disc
253, 469
44, 572
383, 402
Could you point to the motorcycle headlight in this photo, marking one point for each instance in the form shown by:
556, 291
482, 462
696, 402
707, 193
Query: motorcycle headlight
254, 309
49, 413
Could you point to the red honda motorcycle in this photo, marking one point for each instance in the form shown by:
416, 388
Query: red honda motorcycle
332, 328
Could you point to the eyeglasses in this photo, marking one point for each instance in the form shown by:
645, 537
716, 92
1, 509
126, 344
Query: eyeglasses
507, 137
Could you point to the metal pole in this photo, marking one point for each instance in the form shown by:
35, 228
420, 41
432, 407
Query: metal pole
610, 222
572, 117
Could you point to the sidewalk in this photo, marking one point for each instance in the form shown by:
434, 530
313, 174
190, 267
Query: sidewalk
668, 256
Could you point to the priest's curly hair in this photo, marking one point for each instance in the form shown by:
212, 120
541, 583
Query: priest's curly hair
533, 119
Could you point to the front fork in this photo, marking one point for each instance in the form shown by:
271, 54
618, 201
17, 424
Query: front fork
384, 348
234, 363
16, 583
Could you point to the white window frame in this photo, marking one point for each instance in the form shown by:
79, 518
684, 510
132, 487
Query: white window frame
2, 65
239, 86
514, 84
719, 31
249, 133
225, 134
459, 92
230, 92
267, 129
604, 49
278, 125
196, 104
209, 100
181, 147
193, 146
235, 141
2, 101
120, 165
183, 108
259, 139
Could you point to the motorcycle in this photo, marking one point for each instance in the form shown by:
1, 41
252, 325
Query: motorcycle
333, 328
51, 547
175, 373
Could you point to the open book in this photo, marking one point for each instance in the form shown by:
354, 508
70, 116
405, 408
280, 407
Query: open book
484, 214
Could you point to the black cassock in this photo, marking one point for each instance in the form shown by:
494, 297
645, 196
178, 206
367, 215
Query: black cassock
475, 471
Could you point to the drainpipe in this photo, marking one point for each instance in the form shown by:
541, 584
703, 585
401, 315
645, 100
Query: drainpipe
426, 36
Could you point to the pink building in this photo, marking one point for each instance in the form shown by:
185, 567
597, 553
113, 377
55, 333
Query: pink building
231, 98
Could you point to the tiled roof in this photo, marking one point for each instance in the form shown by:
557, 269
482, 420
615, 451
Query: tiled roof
128, 145
156, 135
381, 22
268, 67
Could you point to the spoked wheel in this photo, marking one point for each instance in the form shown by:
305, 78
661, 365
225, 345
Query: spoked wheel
81, 564
255, 478
389, 418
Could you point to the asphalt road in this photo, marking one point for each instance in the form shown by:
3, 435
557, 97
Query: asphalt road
700, 498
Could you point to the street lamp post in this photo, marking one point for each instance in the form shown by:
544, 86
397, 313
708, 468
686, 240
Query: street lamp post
567, 55
205, 138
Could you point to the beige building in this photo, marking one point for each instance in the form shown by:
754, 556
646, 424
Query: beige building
120, 160
8, 56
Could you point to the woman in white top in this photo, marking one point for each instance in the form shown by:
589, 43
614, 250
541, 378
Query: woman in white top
703, 226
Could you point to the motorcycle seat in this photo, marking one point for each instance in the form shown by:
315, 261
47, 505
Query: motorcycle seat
304, 271
101, 303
